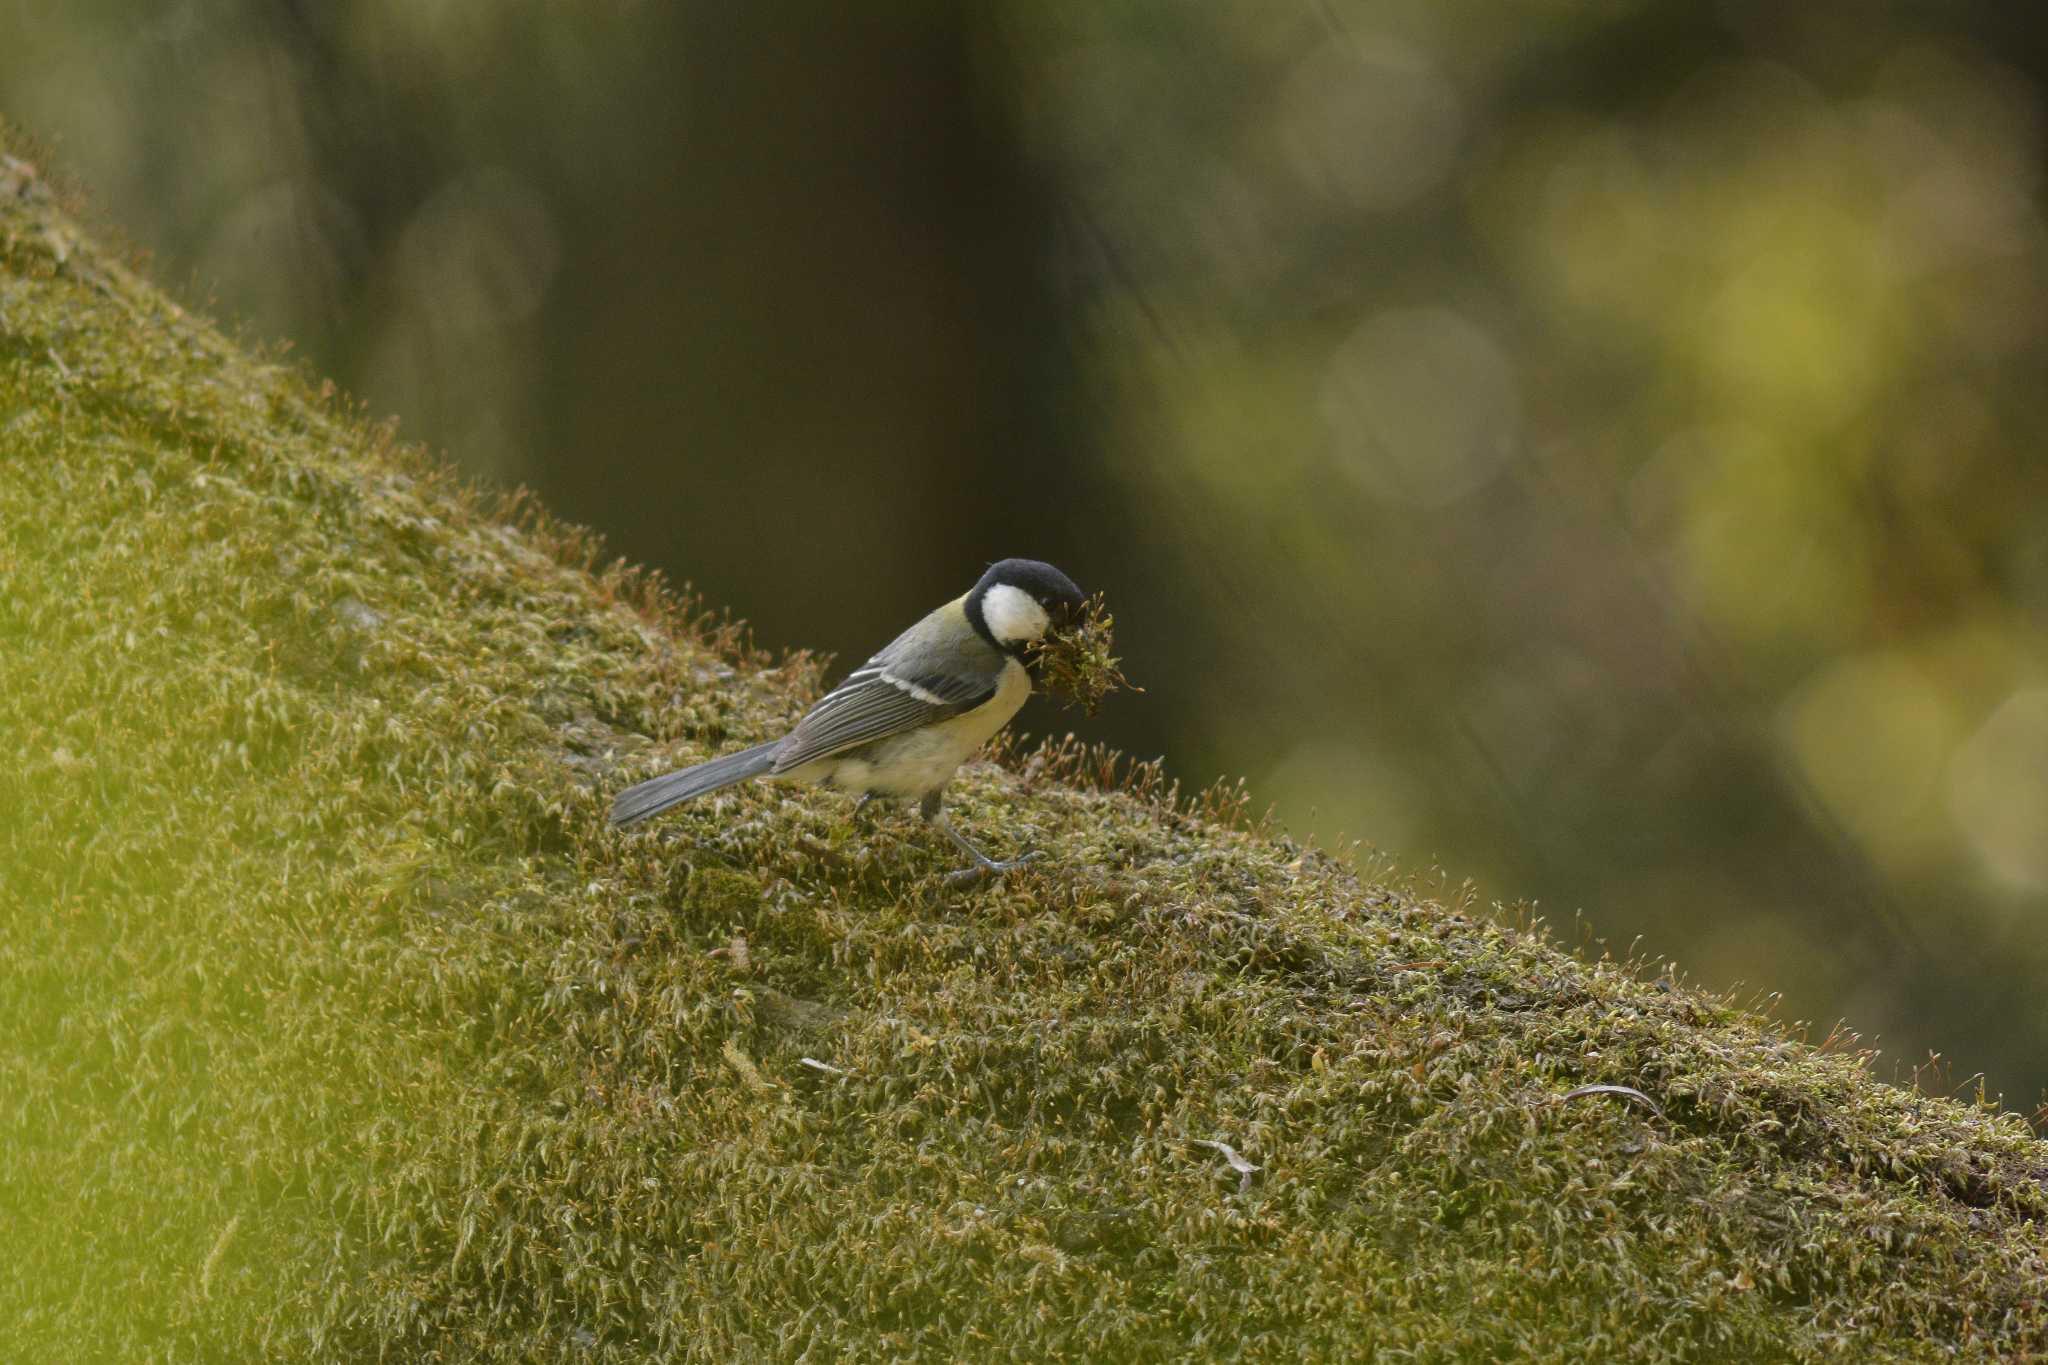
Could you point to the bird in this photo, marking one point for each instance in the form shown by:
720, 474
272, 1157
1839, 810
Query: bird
901, 724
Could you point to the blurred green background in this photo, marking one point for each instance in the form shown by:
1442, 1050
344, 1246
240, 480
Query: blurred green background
1593, 447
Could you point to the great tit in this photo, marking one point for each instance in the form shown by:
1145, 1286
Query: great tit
901, 723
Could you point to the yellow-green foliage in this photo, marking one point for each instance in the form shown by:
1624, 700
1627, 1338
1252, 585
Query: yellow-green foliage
339, 1025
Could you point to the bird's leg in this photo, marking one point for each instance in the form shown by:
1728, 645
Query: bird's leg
982, 864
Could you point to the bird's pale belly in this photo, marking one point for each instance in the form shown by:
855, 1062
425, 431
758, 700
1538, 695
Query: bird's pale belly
921, 761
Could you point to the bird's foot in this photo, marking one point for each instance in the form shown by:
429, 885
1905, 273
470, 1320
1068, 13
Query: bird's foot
985, 866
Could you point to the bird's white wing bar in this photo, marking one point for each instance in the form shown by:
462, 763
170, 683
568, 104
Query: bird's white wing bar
923, 694
863, 710
849, 689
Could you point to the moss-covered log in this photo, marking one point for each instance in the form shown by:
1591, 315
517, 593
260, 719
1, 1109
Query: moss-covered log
338, 1025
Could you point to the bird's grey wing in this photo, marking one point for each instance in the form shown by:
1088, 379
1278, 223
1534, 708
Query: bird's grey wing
888, 695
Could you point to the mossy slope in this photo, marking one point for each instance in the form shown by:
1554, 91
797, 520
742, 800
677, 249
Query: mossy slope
340, 1026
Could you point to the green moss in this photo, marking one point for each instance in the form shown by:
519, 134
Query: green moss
1078, 663
341, 1026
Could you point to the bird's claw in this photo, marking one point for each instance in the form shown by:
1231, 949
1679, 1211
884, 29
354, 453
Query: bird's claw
975, 871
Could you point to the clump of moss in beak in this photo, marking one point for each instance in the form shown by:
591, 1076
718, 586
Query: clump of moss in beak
1077, 661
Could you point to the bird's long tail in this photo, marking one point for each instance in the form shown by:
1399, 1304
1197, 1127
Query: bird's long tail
657, 795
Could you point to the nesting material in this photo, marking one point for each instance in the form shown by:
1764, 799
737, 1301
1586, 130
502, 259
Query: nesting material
1078, 663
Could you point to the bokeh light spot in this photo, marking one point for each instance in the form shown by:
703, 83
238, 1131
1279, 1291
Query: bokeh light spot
1998, 790
1767, 550
1421, 406
1870, 734
481, 252
1369, 121
313, 235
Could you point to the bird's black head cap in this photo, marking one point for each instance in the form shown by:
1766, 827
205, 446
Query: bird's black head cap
1048, 587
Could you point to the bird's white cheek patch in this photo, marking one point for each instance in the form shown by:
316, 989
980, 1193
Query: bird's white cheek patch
1013, 615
